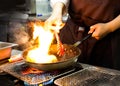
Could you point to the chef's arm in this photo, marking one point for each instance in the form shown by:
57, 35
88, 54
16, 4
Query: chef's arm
100, 30
114, 24
61, 4
58, 9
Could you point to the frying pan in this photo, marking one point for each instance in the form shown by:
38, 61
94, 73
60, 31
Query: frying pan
68, 59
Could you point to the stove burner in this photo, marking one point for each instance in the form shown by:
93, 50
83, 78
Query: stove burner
24, 69
34, 76
31, 71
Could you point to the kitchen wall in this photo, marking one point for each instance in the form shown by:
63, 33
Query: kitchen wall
7, 7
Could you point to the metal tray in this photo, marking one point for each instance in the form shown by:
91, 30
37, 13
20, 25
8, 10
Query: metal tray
5, 49
91, 76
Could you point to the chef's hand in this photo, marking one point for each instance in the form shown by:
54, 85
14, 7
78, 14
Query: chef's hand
54, 22
56, 18
99, 30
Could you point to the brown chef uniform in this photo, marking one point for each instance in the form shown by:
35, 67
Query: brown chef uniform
83, 14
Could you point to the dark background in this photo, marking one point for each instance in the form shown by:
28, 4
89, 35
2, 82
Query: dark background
6, 5
7, 14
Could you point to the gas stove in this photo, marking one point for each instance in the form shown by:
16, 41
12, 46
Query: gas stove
32, 76
72, 76
79, 74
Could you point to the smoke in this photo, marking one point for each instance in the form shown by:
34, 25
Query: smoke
18, 33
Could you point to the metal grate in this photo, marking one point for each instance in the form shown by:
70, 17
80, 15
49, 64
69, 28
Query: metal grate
16, 69
91, 76
99, 81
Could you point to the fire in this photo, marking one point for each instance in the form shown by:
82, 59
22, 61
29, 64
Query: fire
40, 54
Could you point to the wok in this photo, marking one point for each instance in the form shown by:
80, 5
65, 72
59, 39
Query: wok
68, 59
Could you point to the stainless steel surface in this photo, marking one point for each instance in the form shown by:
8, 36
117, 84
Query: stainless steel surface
91, 76
68, 59
4, 45
5, 49
54, 66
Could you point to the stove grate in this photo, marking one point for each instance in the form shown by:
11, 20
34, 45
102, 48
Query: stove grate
91, 76
18, 70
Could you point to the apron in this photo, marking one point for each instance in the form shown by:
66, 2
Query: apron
83, 14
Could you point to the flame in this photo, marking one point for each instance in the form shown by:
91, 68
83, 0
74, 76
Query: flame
44, 39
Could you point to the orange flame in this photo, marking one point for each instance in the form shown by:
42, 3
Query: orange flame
44, 39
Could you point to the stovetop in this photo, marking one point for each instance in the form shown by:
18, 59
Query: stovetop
34, 76
72, 76
91, 76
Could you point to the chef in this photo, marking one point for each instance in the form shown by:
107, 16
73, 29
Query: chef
99, 17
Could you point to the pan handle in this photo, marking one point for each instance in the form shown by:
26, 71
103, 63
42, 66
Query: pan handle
79, 42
